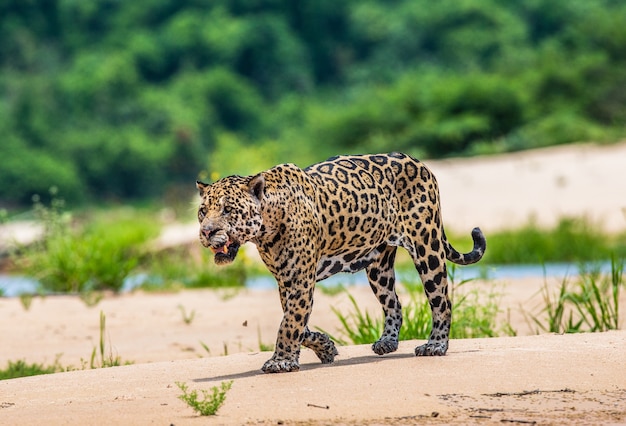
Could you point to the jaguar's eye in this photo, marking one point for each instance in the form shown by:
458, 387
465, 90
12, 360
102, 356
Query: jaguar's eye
202, 213
226, 209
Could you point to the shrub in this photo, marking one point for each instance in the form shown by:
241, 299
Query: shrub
78, 259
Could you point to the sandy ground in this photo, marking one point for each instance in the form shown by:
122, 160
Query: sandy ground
543, 379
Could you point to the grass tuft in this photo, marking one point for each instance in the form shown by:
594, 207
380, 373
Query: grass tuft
590, 304
106, 359
187, 317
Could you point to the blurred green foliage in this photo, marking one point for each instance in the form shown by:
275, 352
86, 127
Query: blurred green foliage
85, 258
107, 99
113, 250
570, 240
186, 268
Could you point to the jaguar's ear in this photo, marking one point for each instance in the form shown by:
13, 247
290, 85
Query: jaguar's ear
201, 187
256, 186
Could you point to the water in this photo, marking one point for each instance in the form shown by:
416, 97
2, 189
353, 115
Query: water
491, 272
548, 270
13, 285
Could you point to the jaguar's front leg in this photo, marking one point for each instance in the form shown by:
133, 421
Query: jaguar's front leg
297, 301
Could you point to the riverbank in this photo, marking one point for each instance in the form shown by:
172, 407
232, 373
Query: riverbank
546, 379
203, 337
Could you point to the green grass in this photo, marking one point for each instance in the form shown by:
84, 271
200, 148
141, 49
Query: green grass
589, 304
75, 257
21, 368
101, 357
210, 402
187, 317
106, 358
571, 240
330, 290
176, 269
92, 252
474, 315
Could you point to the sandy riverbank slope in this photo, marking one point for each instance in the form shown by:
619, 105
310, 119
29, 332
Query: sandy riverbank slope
504, 191
550, 379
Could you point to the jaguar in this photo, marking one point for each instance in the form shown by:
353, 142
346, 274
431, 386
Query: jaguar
346, 214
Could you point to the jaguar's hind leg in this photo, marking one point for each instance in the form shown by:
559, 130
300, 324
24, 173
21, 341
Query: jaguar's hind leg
321, 344
382, 279
432, 270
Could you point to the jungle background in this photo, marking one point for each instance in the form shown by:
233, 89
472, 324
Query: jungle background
112, 101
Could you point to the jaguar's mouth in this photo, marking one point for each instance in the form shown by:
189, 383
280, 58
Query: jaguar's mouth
225, 253
222, 249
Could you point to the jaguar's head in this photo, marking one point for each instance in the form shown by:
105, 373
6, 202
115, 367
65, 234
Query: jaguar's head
230, 214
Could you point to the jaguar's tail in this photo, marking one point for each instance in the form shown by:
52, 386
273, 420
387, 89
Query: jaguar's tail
480, 245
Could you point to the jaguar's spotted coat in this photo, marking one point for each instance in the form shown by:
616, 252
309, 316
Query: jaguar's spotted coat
343, 215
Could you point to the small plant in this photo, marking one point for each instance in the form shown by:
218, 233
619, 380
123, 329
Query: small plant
591, 304
26, 299
358, 326
91, 298
474, 313
597, 298
554, 310
106, 360
264, 347
187, 318
210, 403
